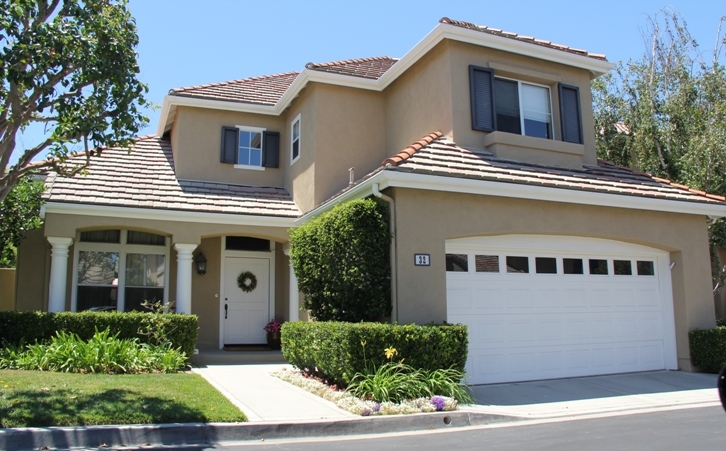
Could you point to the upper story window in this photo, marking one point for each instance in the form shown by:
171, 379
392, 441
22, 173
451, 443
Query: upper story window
250, 147
295, 139
512, 106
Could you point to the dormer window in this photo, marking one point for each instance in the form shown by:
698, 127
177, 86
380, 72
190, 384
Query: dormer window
513, 106
250, 147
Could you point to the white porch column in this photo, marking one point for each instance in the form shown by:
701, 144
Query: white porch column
294, 293
184, 277
58, 273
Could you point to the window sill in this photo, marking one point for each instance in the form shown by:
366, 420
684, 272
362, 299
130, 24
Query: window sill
246, 166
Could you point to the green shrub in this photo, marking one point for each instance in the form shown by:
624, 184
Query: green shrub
336, 351
153, 328
102, 353
708, 348
342, 262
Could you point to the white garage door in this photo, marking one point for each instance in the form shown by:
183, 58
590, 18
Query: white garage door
543, 307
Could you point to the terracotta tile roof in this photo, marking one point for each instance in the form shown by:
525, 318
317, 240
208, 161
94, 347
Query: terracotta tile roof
144, 178
435, 155
265, 90
518, 37
372, 68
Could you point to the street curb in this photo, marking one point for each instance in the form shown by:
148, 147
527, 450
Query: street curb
210, 433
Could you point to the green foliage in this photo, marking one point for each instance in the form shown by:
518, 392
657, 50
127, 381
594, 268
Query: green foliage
72, 67
102, 353
342, 262
336, 351
708, 348
398, 382
19, 213
180, 331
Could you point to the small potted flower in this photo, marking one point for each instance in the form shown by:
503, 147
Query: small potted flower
273, 334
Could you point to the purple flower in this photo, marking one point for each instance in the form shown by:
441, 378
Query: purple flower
376, 407
366, 412
438, 402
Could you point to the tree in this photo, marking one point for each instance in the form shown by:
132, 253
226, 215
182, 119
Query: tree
342, 262
19, 213
665, 114
70, 66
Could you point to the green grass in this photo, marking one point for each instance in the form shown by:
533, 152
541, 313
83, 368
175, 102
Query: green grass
39, 398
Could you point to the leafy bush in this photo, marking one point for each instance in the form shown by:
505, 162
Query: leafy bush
153, 328
708, 348
103, 353
342, 262
336, 351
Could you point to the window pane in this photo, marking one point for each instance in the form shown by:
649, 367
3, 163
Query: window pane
255, 157
572, 265
133, 297
256, 140
646, 268
245, 138
457, 263
536, 111
95, 296
101, 236
295, 149
518, 264
546, 265
244, 156
144, 270
149, 239
487, 263
623, 268
506, 95
97, 268
295, 130
245, 243
598, 267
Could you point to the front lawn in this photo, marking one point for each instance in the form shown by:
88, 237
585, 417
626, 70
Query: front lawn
39, 398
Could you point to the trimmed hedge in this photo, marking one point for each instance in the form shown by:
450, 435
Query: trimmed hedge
335, 351
180, 330
708, 348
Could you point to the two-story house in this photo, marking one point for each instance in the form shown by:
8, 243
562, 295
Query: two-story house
481, 141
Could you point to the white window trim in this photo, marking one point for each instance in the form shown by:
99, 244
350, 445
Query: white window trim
299, 138
244, 128
521, 108
122, 248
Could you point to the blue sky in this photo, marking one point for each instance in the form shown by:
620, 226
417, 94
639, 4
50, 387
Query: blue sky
189, 42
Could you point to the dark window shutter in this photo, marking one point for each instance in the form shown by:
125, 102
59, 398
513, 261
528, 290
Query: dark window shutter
482, 100
271, 150
570, 114
230, 144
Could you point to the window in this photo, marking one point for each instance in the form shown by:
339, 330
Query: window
295, 140
512, 106
645, 268
623, 267
487, 263
250, 147
598, 267
572, 266
457, 263
518, 264
120, 269
245, 243
545, 265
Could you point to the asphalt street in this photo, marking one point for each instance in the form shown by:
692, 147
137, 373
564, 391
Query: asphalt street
685, 429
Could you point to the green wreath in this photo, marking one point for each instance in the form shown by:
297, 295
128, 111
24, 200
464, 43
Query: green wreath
247, 281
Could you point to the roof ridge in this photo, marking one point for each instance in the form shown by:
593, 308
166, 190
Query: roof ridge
412, 149
518, 37
312, 65
230, 82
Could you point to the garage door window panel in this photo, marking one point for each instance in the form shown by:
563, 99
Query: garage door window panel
645, 268
517, 265
572, 266
457, 263
487, 263
623, 267
545, 265
598, 267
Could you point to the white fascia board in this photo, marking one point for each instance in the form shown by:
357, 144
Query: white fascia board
521, 191
166, 215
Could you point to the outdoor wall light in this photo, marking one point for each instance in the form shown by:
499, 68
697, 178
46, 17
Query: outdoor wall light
201, 263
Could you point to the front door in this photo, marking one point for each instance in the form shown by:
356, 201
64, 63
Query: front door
245, 314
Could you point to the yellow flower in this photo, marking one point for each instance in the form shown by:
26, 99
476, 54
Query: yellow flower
390, 352
363, 343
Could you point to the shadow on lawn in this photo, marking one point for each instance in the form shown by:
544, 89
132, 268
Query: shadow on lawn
63, 407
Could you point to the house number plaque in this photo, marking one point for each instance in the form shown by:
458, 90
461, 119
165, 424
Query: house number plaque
422, 259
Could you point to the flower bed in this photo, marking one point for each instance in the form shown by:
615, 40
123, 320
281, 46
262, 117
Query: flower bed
358, 406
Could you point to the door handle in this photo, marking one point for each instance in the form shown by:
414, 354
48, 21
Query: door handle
225, 311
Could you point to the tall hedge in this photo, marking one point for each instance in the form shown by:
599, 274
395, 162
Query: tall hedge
342, 262
338, 350
180, 330
708, 348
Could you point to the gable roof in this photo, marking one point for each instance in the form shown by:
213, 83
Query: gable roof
144, 178
265, 90
372, 68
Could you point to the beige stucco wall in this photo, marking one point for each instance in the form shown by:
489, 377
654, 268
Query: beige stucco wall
198, 145
300, 176
422, 290
7, 288
523, 68
33, 272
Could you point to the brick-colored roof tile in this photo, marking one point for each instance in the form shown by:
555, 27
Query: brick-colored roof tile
372, 68
265, 90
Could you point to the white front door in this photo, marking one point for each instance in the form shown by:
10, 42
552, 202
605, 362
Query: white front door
245, 314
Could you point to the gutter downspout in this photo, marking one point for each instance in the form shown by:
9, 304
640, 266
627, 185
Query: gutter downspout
394, 281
